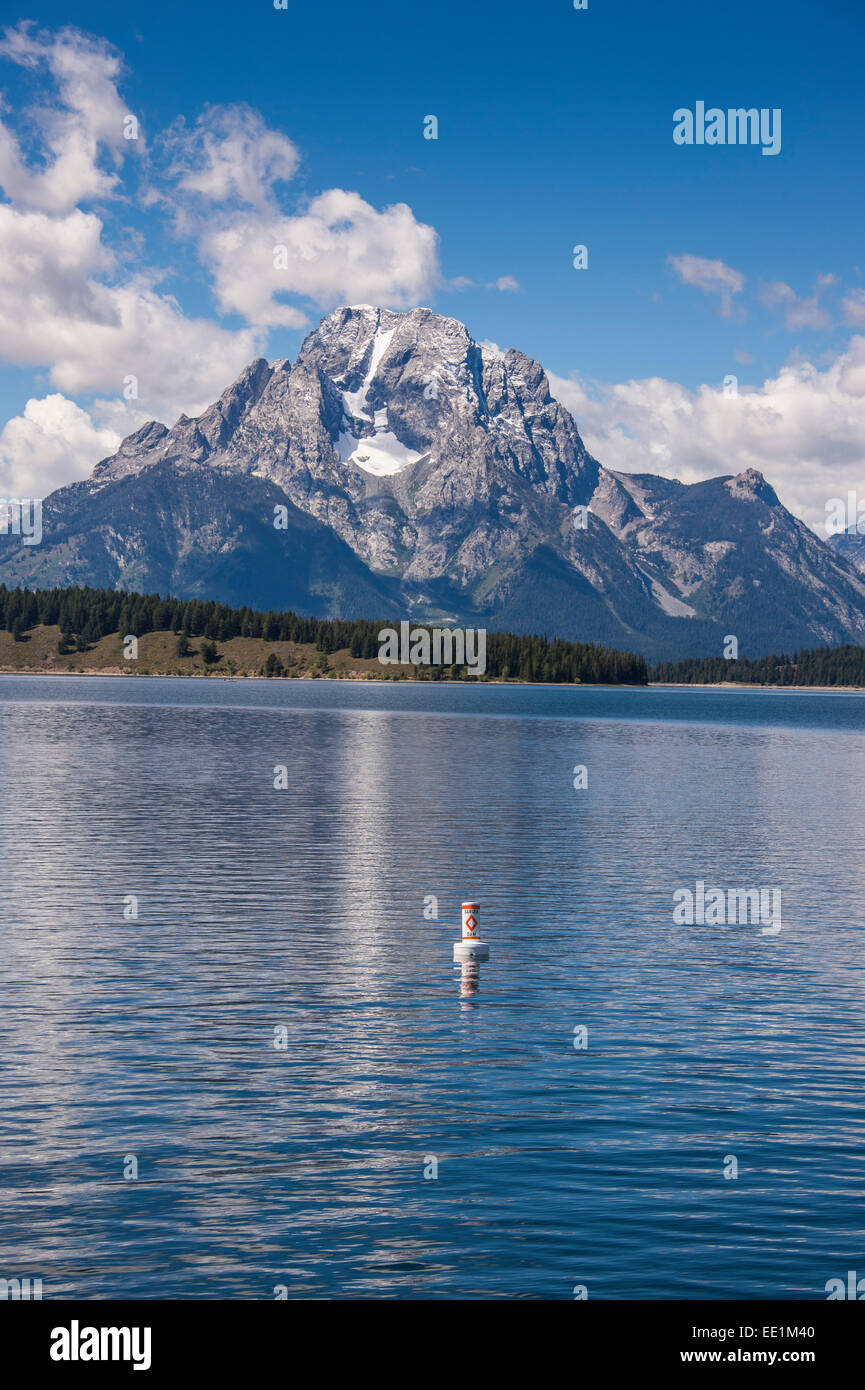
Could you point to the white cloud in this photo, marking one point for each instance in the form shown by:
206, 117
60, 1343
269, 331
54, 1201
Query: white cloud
712, 277
853, 306
66, 303
336, 249
804, 429
230, 155
80, 132
54, 442
55, 310
505, 283
798, 313
339, 250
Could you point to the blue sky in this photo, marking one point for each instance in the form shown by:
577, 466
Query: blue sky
555, 128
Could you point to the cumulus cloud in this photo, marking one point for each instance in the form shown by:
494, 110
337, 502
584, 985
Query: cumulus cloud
80, 132
66, 303
230, 155
804, 429
340, 249
54, 442
712, 277
336, 248
56, 310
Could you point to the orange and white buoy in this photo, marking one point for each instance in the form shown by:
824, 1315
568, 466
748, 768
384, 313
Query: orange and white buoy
471, 947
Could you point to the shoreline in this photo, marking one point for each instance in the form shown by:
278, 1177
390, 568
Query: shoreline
114, 674
747, 685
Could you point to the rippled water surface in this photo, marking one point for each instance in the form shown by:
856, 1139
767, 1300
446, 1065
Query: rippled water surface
297, 1158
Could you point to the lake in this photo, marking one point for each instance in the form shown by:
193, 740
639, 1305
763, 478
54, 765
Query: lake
237, 1058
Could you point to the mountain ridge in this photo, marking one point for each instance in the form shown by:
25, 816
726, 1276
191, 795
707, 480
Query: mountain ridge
447, 481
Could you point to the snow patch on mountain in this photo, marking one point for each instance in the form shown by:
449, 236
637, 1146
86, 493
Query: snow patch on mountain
380, 454
355, 401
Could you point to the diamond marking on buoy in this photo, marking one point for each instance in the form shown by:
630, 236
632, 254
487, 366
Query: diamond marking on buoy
471, 948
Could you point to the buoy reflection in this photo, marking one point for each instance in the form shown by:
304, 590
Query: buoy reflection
470, 978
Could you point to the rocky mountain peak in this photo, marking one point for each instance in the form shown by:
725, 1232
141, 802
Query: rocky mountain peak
218, 423
752, 486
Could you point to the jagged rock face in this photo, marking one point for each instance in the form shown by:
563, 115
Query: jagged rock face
728, 547
443, 478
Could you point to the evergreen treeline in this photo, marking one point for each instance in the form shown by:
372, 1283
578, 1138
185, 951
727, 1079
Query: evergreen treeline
822, 666
85, 615
536, 659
